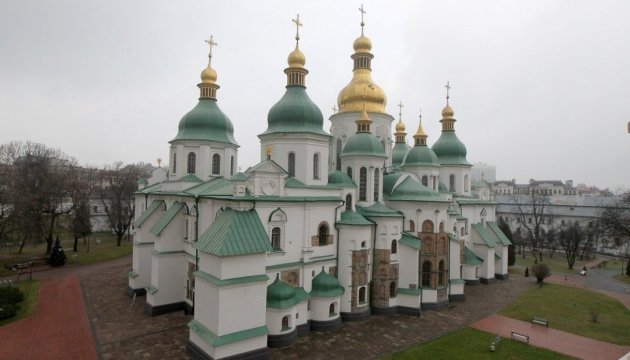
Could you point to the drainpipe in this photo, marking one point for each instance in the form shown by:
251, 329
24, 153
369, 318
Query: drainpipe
343, 202
196, 233
373, 268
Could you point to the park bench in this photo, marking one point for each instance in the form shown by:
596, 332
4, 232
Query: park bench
27, 266
520, 337
540, 321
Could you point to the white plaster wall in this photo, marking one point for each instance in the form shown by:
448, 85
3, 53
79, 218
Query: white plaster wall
168, 274
410, 301
207, 294
454, 259
274, 320
304, 314
141, 265
241, 307
486, 269
351, 238
408, 273
172, 237
457, 289
320, 308
468, 272
429, 296
460, 172
370, 163
501, 266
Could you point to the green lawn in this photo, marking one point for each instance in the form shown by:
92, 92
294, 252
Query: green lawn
557, 264
622, 278
569, 309
102, 247
474, 344
30, 289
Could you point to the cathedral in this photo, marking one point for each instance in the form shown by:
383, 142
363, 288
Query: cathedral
326, 228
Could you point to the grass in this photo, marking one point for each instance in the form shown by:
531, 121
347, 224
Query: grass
474, 344
102, 247
569, 309
28, 305
622, 278
557, 264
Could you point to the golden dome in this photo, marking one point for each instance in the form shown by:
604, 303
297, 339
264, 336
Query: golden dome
361, 88
296, 59
362, 44
447, 112
208, 75
400, 126
420, 132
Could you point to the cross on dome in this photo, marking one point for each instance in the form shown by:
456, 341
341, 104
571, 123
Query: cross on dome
400, 106
211, 44
298, 23
448, 88
363, 12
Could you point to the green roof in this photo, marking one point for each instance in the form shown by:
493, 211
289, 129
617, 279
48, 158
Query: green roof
450, 150
410, 240
215, 187
499, 233
281, 295
409, 189
295, 112
206, 122
378, 210
363, 144
189, 178
350, 217
155, 204
235, 233
398, 153
421, 155
339, 178
497, 256
326, 285
487, 238
264, 163
239, 176
470, 258
166, 219
142, 181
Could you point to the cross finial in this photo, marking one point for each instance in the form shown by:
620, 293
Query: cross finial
448, 89
363, 12
211, 44
400, 106
334, 109
420, 115
298, 23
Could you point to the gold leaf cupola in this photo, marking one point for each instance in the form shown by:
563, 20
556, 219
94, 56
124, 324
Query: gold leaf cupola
400, 147
420, 138
208, 85
448, 120
400, 133
448, 148
296, 72
362, 88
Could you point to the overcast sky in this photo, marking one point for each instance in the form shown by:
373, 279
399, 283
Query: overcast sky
540, 89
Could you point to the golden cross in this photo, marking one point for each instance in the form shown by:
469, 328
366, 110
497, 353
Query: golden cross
362, 13
298, 23
334, 109
400, 106
211, 44
448, 88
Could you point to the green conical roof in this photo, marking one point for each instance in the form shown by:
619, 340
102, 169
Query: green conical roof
295, 112
413, 190
338, 178
325, 285
422, 155
450, 150
206, 122
398, 153
363, 143
280, 295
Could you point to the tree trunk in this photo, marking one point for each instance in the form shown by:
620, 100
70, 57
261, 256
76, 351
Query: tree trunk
118, 238
76, 243
49, 237
22, 244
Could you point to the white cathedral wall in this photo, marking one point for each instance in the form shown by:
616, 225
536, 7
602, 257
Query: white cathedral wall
409, 301
387, 230
408, 272
320, 308
141, 265
203, 163
469, 272
230, 267
274, 320
486, 269
462, 186
168, 274
352, 237
501, 266
455, 259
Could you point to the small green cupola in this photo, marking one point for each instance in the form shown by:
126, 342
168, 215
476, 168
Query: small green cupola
206, 121
363, 143
421, 154
325, 285
295, 112
281, 295
400, 147
448, 148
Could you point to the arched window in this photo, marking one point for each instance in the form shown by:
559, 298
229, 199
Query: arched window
427, 226
285, 323
174, 162
451, 183
425, 180
394, 247
338, 160
441, 272
316, 166
392, 289
465, 182
216, 164
275, 238
377, 178
192, 162
331, 310
348, 202
441, 226
322, 234
363, 184
412, 226
426, 273
349, 172
362, 295
291, 164
232, 165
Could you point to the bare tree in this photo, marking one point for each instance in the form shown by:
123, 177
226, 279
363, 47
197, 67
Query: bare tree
118, 184
530, 209
615, 220
82, 184
570, 239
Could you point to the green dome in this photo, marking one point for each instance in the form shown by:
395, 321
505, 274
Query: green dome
338, 178
363, 143
450, 150
422, 156
403, 187
280, 295
350, 217
398, 153
206, 122
325, 285
295, 112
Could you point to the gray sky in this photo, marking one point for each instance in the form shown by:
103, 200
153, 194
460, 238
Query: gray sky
540, 88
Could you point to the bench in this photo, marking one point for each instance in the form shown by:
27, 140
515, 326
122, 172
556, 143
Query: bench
520, 337
540, 321
27, 266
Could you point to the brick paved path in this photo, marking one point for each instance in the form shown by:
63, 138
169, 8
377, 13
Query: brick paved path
58, 329
559, 341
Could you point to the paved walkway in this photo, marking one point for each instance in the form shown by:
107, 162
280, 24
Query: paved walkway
555, 340
58, 329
